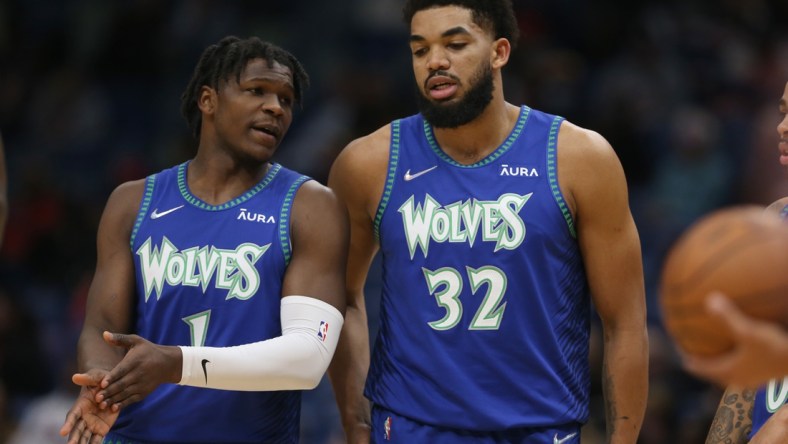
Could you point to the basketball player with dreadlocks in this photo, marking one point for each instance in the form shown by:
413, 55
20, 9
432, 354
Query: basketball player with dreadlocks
224, 272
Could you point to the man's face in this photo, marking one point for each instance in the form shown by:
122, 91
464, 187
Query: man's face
452, 64
254, 113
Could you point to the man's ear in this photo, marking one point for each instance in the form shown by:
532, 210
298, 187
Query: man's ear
207, 100
501, 51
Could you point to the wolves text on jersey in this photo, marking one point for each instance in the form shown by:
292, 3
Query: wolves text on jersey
496, 221
234, 269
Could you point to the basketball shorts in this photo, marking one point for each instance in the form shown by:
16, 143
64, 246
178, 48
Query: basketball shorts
391, 428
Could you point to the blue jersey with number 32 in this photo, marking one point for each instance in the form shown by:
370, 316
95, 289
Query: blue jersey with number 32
485, 307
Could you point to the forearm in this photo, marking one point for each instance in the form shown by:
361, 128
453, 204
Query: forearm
625, 382
348, 372
93, 353
296, 360
733, 420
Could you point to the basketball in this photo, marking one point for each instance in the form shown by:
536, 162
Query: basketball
740, 251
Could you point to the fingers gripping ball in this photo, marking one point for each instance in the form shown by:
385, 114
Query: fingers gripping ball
739, 251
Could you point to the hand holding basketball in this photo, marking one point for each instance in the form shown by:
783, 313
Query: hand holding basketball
741, 252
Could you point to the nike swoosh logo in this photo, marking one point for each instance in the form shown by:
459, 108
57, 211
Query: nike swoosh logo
564, 439
205, 370
156, 214
409, 177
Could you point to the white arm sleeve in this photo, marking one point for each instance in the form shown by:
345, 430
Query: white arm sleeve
296, 360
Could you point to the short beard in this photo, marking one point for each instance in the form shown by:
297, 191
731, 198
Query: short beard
469, 107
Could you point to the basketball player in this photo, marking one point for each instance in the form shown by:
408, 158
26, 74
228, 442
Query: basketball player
759, 359
3, 192
496, 223
231, 262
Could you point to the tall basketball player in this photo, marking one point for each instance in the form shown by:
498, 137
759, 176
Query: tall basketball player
499, 225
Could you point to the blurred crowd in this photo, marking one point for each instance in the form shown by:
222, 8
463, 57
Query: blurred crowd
685, 90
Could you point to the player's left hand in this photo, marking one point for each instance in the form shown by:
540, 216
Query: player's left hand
144, 367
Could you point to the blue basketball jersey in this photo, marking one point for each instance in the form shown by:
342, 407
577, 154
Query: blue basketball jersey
768, 400
211, 275
485, 308
771, 397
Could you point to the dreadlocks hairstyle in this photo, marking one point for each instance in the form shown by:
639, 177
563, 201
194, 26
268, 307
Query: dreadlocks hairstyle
228, 58
496, 16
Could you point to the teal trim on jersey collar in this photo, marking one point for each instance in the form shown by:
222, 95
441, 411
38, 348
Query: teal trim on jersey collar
525, 111
195, 201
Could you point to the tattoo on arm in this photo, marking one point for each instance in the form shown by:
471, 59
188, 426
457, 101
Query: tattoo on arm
610, 402
733, 422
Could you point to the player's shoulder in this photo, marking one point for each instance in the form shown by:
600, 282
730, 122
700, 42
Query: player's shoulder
368, 148
582, 142
364, 160
127, 194
123, 204
583, 152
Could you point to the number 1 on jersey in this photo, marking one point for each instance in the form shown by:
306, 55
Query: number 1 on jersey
198, 324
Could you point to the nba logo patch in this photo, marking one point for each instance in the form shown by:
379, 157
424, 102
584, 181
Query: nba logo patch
322, 331
387, 429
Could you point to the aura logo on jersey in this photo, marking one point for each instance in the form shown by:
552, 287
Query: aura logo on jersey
255, 217
518, 171
496, 221
231, 270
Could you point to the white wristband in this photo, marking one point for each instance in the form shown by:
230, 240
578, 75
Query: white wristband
296, 360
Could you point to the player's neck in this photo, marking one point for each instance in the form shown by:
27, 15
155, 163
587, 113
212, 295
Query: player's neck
219, 179
472, 142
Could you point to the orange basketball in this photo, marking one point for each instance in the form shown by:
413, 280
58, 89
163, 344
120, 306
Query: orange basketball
740, 251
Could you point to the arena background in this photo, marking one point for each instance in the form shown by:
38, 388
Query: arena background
686, 91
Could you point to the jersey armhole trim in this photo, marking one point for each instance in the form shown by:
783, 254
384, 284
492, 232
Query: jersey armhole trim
284, 218
552, 171
392, 173
150, 182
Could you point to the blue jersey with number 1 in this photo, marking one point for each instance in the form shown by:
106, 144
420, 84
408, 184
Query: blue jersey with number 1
211, 275
485, 307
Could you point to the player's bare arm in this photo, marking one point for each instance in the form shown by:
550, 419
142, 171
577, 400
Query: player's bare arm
595, 188
733, 421
358, 177
320, 234
109, 305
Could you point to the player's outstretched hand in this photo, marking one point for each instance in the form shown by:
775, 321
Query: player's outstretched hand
145, 366
86, 422
754, 339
